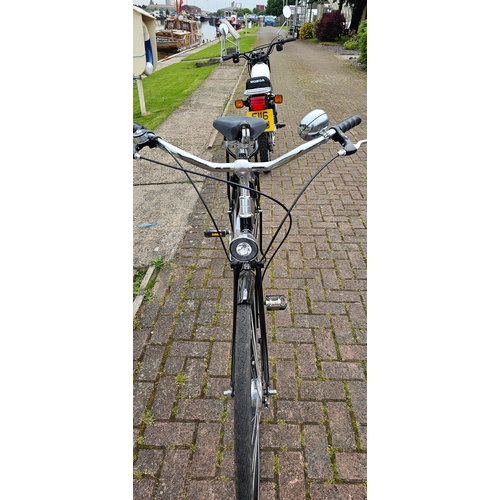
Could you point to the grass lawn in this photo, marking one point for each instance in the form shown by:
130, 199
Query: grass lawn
166, 89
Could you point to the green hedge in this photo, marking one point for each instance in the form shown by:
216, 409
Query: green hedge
363, 48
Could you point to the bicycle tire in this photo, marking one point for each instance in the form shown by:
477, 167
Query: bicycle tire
263, 141
247, 406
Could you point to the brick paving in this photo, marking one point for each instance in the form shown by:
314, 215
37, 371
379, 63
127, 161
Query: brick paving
314, 435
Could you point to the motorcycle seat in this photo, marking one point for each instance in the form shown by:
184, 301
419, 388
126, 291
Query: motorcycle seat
257, 85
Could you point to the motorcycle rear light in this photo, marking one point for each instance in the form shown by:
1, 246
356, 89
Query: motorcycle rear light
258, 102
239, 104
278, 99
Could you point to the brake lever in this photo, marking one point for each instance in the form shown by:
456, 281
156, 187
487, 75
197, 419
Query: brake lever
138, 147
350, 148
360, 143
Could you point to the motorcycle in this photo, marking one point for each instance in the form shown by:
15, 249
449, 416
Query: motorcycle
261, 100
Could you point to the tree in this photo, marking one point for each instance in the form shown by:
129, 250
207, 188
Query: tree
274, 7
358, 8
242, 12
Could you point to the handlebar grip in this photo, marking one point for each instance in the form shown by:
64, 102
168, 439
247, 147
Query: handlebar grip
230, 56
349, 123
286, 40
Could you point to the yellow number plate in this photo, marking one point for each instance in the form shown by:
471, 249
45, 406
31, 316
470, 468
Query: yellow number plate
266, 114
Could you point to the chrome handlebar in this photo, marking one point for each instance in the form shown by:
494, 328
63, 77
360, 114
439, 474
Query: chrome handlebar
313, 128
242, 165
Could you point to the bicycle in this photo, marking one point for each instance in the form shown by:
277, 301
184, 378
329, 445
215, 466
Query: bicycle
250, 385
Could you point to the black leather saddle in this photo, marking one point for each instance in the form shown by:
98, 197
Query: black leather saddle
230, 126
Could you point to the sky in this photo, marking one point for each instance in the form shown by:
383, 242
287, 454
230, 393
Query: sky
211, 5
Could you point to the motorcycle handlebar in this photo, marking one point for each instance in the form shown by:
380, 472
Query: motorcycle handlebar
269, 46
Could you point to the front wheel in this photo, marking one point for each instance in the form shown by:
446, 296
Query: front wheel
247, 405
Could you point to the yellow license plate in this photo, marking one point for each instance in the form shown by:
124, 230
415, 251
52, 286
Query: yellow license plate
266, 114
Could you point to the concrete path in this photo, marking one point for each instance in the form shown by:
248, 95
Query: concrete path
314, 435
163, 196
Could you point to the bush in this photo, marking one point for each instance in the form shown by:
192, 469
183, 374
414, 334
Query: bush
363, 43
306, 31
352, 44
330, 27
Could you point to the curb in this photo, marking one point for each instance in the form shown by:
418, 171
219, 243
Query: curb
174, 58
144, 283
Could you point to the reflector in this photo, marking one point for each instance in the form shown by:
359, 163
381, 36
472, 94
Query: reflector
257, 103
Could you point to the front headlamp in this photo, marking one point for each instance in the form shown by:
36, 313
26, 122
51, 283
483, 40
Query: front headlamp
244, 248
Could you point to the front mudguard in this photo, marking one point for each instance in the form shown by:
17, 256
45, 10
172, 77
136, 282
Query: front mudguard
246, 287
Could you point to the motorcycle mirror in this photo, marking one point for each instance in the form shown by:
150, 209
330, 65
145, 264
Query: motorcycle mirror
223, 30
313, 124
287, 12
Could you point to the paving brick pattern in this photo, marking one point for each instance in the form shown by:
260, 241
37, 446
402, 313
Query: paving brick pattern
314, 434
